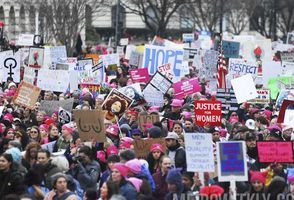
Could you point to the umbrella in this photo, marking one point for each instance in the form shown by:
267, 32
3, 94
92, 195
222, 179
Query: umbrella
211, 191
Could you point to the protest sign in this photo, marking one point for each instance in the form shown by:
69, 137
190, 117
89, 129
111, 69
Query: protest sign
10, 65
287, 104
110, 60
129, 50
56, 53
262, 98
290, 38
133, 92
190, 53
90, 124
115, 105
26, 95
155, 56
205, 41
231, 49
53, 106
139, 75
74, 81
209, 68
199, 152
284, 94
136, 59
275, 152
124, 41
95, 57
53, 80
187, 87
120, 51
142, 147
278, 84
228, 99
287, 56
244, 88
160, 82
24, 56
289, 117
231, 159
147, 119
188, 37
208, 112
25, 40
94, 76
239, 67
84, 64
36, 57
152, 96
166, 71
64, 116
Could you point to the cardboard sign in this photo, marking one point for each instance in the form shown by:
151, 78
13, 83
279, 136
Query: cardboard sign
228, 99
140, 75
64, 116
144, 119
90, 124
231, 159
184, 88
160, 82
152, 96
231, 49
52, 106
239, 67
26, 95
208, 113
272, 152
10, 65
36, 57
199, 152
142, 147
262, 98
155, 56
115, 105
25, 40
53, 80
188, 37
287, 56
244, 88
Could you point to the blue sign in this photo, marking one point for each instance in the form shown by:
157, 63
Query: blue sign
231, 49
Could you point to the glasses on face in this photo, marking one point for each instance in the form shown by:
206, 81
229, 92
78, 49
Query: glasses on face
33, 132
234, 115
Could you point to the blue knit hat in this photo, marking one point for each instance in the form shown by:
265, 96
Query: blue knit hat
174, 176
15, 153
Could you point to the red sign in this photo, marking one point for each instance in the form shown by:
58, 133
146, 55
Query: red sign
208, 113
140, 75
270, 152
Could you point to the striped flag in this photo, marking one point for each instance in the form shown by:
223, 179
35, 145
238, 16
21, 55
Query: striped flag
221, 69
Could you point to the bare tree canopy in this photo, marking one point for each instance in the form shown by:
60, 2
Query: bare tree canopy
285, 13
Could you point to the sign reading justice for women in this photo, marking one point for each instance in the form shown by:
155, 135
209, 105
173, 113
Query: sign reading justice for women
208, 112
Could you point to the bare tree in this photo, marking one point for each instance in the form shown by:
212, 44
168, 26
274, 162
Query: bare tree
156, 14
285, 22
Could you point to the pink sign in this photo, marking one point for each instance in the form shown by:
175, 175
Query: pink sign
183, 88
269, 152
140, 75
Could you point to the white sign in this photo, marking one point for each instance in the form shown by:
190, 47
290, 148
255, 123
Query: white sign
287, 56
188, 37
129, 50
10, 65
124, 41
152, 96
57, 52
29, 75
244, 88
53, 80
110, 59
289, 117
199, 152
25, 40
239, 67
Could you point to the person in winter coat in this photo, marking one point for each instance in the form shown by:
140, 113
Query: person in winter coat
87, 170
119, 173
12, 181
174, 184
175, 151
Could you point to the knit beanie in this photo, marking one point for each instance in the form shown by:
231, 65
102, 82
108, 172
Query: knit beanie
174, 177
134, 165
122, 168
258, 176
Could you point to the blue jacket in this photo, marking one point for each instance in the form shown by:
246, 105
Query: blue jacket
128, 191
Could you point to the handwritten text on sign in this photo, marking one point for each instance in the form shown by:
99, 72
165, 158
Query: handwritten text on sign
275, 152
208, 112
238, 67
199, 152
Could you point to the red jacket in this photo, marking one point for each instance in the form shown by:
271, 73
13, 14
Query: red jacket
160, 185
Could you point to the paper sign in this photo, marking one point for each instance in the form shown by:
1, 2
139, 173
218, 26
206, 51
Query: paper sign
10, 65
147, 119
239, 67
94, 76
262, 98
188, 37
36, 57
136, 59
209, 68
184, 88
90, 124
152, 96
84, 65
199, 152
231, 159
64, 116
26, 95
272, 152
231, 49
287, 56
24, 56
53, 80
160, 82
53, 106
115, 105
129, 50
57, 53
110, 59
289, 117
244, 88
208, 113
155, 56
142, 147
140, 75
124, 41
25, 40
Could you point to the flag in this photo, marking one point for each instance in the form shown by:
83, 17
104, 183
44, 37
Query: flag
221, 69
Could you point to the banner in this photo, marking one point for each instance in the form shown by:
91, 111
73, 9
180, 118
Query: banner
231, 49
239, 67
53, 80
231, 159
262, 98
160, 82
142, 147
90, 124
155, 56
36, 57
10, 65
275, 152
139, 75
147, 119
287, 56
53, 106
208, 113
26, 95
184, 88
199, 152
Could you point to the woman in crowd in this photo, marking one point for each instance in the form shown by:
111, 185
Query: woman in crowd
53, 133
108, 189
178, 128
30, 157
35, 134
153, 158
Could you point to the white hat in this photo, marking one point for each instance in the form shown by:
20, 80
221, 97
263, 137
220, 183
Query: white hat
250, 123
